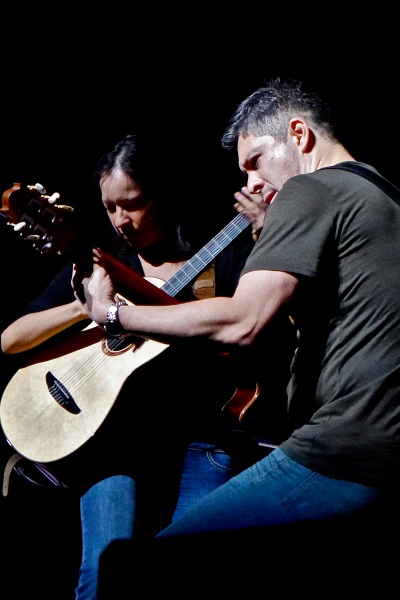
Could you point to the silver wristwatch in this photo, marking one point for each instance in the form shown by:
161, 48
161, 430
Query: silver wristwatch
113, 327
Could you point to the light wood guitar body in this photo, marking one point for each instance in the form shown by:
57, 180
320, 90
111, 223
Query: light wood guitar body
57, 402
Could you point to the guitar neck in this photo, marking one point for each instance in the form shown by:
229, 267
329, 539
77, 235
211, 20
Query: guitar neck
133, 286
52, 228
205, 256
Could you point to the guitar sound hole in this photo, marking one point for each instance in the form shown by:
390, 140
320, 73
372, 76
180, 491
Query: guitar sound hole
116, 346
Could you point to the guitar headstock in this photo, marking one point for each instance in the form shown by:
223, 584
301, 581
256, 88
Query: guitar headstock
51, 228
39, 218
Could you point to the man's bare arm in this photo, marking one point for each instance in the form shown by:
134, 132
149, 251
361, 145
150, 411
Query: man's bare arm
236, 320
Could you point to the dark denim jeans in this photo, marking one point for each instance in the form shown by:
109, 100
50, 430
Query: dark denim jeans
274, 491
108, 508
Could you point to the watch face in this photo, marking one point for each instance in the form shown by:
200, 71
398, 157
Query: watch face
113, 328
112, 314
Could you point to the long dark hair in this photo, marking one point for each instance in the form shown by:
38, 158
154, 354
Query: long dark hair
137, 158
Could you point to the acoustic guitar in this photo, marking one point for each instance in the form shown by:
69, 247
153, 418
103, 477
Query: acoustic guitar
57, 401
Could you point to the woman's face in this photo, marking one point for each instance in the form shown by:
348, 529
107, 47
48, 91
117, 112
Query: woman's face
133, 215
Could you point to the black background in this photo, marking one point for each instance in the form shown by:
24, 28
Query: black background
55, 137
73, 83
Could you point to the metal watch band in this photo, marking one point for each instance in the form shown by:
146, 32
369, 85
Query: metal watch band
113, 327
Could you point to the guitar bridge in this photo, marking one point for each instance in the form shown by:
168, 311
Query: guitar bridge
61, 395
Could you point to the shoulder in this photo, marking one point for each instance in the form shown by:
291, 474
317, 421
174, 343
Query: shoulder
317, 190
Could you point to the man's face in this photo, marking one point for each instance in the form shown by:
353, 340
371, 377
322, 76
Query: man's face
267, 164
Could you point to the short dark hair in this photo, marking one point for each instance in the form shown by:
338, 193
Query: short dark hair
267, 111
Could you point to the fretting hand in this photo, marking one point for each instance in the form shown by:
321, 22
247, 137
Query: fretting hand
95, 290
99, 294
253, 208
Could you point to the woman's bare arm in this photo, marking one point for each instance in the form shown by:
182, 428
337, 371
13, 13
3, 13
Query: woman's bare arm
31, 330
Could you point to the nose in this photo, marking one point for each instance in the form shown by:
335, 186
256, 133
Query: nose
120, 217
254, 184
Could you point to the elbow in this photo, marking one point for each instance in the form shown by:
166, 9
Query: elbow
246, 339
4, 346
238, 335
7, 346
5, 349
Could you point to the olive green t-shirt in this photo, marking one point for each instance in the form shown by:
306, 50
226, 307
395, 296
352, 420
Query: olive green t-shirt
340, 234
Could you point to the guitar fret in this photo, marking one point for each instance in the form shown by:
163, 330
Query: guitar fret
71, 369
204, 256
70, 372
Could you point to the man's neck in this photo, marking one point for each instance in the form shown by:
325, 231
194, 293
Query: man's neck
332, 154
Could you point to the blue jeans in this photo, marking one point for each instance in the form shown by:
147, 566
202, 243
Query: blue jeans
274, 491
108, 508
273, 522
205, 468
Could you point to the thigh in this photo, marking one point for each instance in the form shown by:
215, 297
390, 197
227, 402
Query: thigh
274, 491
205, 468
108, 511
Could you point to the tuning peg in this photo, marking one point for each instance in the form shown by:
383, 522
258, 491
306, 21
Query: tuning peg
47, 247
66, 207
19, 226
53, 198
40, 188
33, 237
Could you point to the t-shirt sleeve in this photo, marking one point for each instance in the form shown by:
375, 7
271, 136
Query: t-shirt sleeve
297, 230
57, 293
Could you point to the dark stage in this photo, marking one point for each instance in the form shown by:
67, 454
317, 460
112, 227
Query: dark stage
53, 133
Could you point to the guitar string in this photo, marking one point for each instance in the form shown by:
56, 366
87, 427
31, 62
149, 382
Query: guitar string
78, 375
73, 379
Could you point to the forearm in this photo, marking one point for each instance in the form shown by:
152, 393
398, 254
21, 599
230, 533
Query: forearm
31, 330
233, 321
212, 319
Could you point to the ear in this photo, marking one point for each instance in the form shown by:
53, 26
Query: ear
302, 136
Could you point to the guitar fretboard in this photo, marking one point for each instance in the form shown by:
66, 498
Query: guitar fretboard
203, 257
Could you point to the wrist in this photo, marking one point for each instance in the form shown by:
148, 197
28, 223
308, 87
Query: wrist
113, 325
78, 311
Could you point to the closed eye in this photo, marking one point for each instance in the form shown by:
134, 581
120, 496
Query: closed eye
128, 205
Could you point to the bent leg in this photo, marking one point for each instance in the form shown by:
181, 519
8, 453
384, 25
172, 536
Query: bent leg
205, 468
274, 491
107, 514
